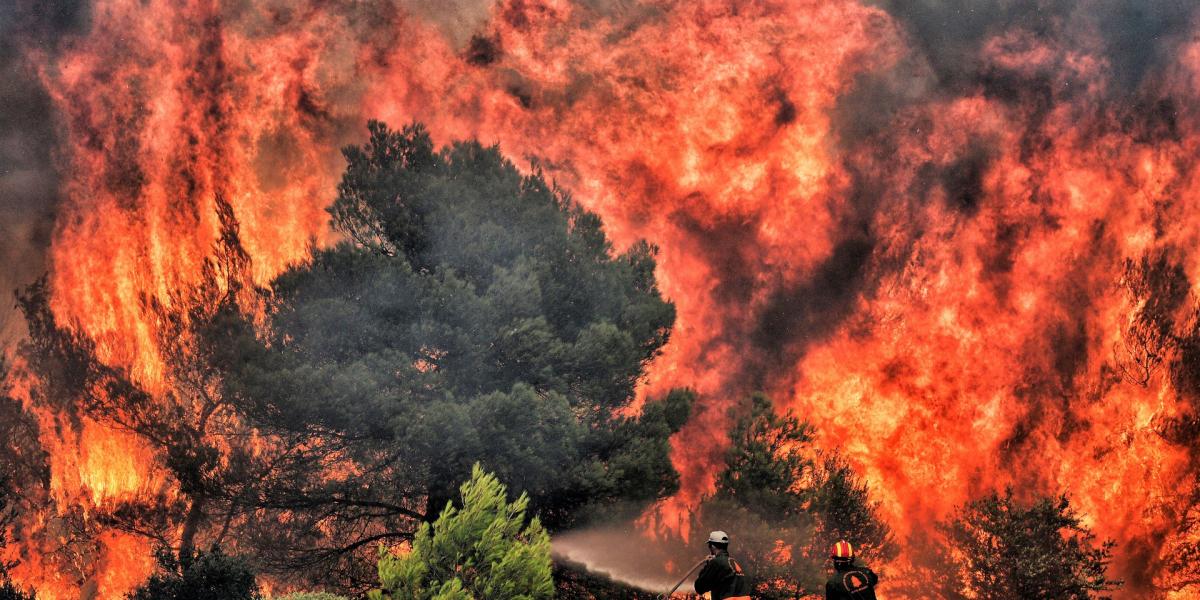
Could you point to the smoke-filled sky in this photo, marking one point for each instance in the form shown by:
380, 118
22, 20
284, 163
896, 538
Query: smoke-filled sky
28, 182
1136, 37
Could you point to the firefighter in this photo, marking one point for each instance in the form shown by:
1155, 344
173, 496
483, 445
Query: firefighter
849, 581
722, 575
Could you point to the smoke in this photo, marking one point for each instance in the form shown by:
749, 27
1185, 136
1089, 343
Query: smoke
1136, 37
949, 56
458, 20
1090, 59
28, 178
624, 553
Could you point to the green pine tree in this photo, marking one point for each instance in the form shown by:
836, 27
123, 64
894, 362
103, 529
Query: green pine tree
996, 548
475, 314
199, 576
482, 550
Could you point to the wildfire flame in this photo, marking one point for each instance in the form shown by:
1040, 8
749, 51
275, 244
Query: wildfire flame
932, 280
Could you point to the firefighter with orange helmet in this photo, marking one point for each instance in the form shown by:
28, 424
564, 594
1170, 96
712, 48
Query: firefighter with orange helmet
722, 575
849, 581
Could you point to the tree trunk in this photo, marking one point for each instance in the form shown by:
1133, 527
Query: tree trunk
191, 525
434, 506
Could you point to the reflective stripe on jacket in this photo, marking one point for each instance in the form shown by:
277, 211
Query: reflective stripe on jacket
852, 583
723, 576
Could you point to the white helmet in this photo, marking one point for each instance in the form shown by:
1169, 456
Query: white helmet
718, 537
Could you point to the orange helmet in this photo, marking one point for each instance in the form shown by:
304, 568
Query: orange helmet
842, 551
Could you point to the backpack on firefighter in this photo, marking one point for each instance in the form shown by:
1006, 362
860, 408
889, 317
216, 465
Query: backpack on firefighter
849, 581
722, 575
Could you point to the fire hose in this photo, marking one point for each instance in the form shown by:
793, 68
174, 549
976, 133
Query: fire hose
685, 578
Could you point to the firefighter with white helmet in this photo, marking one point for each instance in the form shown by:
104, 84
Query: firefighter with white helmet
722, 575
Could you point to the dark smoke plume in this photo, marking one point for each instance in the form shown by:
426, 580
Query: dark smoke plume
1135, 36
28, 178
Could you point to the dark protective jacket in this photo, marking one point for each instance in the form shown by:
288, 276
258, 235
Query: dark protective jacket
851, 582
723, 577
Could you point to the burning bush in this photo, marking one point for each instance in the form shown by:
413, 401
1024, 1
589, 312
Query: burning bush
997, 548
199, 576
8, 589
787, 503
783, 501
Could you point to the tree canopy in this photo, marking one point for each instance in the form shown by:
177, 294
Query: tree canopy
484, 549
199, 576
474, 315
997, 547
201, 439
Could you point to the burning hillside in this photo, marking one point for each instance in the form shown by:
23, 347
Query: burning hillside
959, 241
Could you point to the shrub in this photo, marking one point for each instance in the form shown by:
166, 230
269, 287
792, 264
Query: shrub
483, 550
